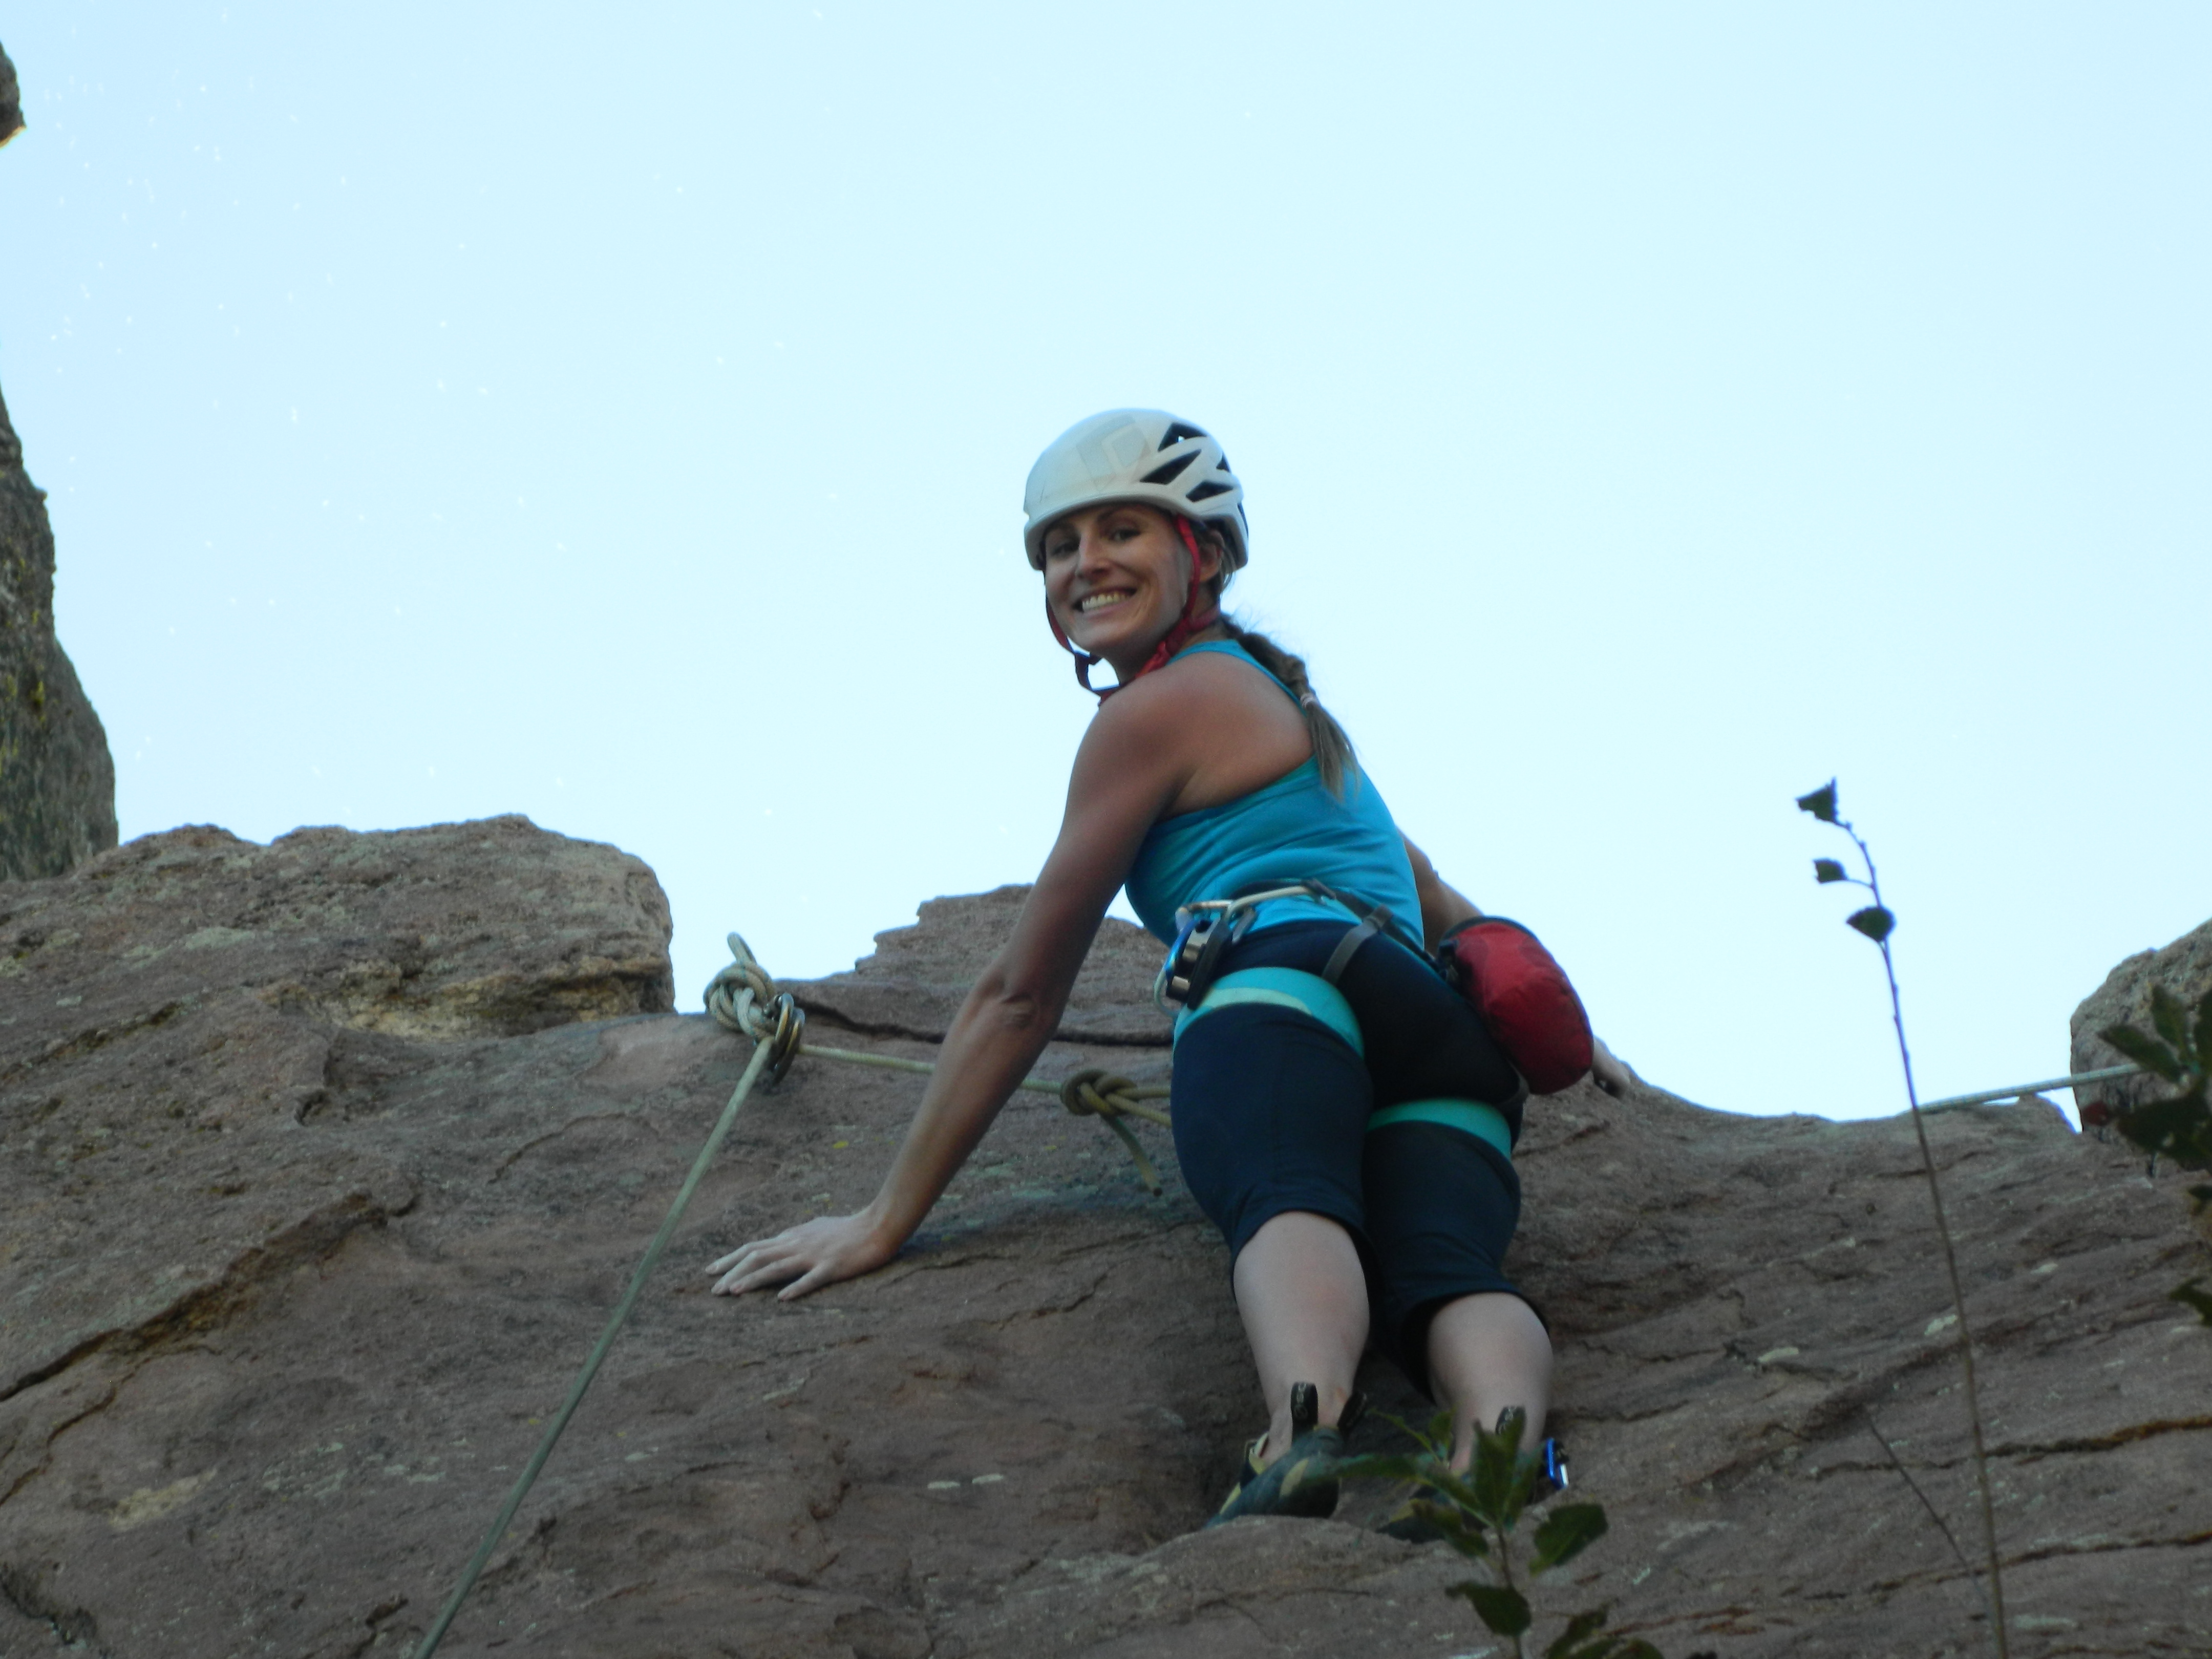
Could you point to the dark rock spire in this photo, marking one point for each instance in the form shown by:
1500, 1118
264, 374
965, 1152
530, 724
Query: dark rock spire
57, 778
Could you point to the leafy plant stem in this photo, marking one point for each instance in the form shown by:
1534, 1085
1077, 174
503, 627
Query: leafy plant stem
1505, 1559
1950, 1265
1934, 1513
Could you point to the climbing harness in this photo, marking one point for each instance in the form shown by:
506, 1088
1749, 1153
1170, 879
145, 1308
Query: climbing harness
1206, 929
742, 999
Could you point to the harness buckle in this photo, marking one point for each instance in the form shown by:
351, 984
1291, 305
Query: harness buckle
1202, 932
1204, 929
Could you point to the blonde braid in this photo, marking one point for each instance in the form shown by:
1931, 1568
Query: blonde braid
1333, 752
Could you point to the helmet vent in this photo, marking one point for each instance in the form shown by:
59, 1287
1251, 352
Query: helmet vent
1208, 489
1166, 473
1225, 467
1176, 432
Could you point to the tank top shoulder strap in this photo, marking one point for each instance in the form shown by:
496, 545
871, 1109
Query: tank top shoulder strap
1231, 648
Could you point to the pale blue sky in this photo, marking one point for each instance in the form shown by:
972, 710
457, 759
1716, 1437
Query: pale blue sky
1646, 413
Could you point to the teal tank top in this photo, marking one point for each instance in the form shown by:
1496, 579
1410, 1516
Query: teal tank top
1290, 828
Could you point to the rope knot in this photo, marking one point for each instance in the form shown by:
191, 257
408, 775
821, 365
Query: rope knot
742, 999
1096, 1092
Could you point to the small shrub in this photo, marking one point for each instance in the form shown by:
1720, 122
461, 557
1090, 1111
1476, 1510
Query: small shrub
1480, 1514
2180, 1126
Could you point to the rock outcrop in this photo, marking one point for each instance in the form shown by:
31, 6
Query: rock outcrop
2183, 969
57, 778
323, 1163
11, 101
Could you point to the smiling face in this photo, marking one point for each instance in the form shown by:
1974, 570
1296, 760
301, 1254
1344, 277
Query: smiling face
1117, 578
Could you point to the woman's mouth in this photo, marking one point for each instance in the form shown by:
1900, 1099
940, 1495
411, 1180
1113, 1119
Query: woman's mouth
1093, 602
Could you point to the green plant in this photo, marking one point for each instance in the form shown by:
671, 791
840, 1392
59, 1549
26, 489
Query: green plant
1479, 1514
2180, 1126
1878, 922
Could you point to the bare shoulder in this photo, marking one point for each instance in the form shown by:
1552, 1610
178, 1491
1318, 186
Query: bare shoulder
1223, 728
1182, 709
1210, 680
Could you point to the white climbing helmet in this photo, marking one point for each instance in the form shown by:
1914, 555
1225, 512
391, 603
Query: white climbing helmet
1136, 455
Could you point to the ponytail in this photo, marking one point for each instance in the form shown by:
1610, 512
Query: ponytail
1332, 749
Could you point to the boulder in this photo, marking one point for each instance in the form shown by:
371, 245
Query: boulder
2183, 969
325, 1162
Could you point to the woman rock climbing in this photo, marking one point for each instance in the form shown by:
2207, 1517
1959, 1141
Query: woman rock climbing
1340, 1112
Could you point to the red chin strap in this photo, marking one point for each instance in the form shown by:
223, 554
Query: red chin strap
1199, 613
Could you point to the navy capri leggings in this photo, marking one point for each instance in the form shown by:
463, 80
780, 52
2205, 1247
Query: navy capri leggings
1279, 1107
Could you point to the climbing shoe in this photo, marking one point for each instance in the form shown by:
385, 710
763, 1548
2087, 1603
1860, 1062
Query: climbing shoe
1547, 1479
1302, 1480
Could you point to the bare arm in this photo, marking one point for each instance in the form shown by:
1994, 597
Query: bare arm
1129, 767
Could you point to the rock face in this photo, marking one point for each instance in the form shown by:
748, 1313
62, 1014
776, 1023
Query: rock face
11, 101
57, 778
325, 1161
913, 984
2183, 969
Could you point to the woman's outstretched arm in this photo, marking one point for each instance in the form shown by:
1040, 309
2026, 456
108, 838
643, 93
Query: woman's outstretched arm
1130, 765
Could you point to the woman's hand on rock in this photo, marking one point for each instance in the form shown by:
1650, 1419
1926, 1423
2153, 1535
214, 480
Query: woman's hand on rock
804, 1258
1612, 1073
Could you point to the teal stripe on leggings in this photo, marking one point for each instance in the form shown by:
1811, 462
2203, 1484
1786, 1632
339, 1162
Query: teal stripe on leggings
1470, 1116
1282, 988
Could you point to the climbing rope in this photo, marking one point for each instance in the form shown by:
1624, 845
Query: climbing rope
2078, 1081
781, 1023
742, 999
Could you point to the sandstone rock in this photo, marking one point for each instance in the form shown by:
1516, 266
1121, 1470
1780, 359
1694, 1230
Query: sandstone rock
2183, 969
57, 778
174, 1016
287, 1289
913, 984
